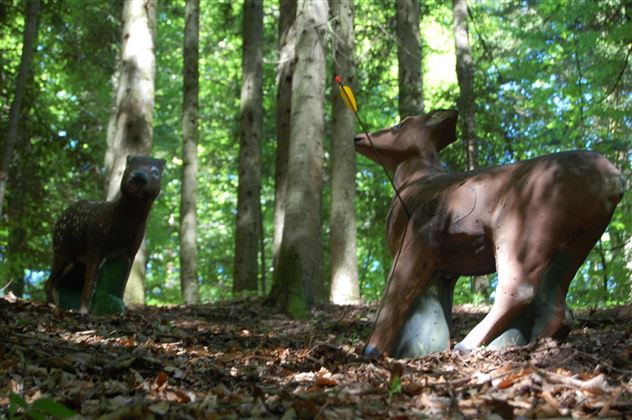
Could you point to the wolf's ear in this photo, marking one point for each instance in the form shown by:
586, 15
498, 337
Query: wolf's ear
442, 123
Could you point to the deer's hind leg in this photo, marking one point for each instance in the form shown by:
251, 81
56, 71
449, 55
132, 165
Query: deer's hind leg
547, 315
63, 275
533, 279
552, 314
523, 252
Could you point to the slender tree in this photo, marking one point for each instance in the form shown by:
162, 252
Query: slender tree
29, 36
345, 288
465, 76
188, 197
409, 58
111, 130
285, 71
17, 246
132, 133
249, 190
298, 280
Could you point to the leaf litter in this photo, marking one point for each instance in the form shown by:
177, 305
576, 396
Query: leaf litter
241, 359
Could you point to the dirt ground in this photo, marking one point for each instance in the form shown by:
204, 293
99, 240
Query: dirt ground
241, 359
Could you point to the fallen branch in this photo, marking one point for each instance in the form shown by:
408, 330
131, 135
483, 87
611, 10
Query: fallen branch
597, 385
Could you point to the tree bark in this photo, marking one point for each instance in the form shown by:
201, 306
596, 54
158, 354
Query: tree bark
188, 199
132, 132
28, 42
409, 58
285, 71
627, 252
249, 190
465, 76
298, 281
17, 247
108, 161
345, 288
466, 104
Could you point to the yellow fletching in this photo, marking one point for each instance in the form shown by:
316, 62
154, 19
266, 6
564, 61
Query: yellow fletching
347, 96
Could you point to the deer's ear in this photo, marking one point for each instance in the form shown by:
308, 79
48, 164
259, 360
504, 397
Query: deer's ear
442, 124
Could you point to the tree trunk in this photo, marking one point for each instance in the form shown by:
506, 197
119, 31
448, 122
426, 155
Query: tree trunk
134, 103
298, 281
627, 252
345, 288
17, 248
409, 58
285, 71
249, 190
111, 130
30, 35
188, 199
465, 76
479, 285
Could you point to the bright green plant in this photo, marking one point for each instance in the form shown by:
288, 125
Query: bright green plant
40, 408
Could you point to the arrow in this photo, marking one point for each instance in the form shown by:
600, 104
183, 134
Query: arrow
350, 102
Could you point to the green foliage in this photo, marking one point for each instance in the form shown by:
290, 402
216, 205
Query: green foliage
555, 76
40, 408
59, 154
549, 76
394, 385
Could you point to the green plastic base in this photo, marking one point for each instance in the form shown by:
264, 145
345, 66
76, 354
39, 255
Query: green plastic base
108, 294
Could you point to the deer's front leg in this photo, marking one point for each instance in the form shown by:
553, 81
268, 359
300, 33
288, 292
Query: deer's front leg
427, 326
409, 276
92, 265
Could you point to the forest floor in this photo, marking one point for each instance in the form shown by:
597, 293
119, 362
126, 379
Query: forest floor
241, 359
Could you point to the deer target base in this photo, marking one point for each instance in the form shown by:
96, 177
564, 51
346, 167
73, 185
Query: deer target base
427, 328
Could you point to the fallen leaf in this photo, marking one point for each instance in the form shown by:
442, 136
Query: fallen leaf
161, 379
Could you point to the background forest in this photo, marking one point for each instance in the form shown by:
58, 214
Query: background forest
547, 76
